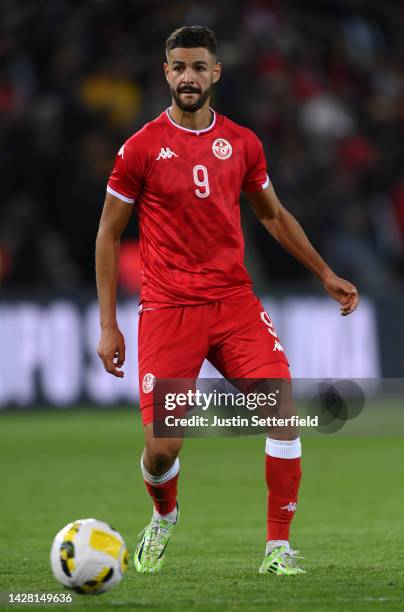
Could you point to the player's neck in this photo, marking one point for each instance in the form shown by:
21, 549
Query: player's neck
199, 120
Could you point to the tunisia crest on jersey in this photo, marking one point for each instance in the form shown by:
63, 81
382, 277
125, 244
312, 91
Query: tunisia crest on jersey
221, 148
149, 381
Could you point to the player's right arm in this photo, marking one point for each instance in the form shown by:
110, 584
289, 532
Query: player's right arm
114, 219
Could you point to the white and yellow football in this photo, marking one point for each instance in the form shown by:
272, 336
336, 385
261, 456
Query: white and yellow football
89, 556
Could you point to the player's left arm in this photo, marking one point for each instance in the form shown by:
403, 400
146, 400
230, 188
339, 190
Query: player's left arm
288, 232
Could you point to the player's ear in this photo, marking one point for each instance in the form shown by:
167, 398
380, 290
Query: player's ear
166, 70
217, 71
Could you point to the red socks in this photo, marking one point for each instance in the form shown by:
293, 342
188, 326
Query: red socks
162, 489
283, 473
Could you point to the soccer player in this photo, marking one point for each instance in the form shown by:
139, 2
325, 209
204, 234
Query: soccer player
184, 172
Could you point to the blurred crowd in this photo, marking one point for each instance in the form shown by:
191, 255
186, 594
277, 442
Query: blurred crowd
321, 83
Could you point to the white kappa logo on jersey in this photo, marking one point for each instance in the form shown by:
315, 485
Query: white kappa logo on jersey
149, 380
290, 507
277, 346
221, 148
121, 151
166, 153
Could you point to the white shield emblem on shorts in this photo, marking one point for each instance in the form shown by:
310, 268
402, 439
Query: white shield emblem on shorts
149, 380
221, 148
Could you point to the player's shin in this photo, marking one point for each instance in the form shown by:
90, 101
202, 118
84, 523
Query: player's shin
153, 540
283, 474
163, 491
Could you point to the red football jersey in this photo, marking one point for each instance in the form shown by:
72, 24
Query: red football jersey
186, 186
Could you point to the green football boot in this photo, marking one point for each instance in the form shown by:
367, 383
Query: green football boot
281, 561
150, 551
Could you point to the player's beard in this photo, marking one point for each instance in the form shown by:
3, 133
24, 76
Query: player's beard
195, 106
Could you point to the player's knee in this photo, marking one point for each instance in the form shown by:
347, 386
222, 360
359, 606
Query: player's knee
161, 461
161, 456
160, 453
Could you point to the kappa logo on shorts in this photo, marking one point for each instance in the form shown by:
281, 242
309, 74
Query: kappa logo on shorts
277, 346
221, 148
149, 381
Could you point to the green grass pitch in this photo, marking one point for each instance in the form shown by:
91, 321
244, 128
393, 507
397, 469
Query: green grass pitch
62, 465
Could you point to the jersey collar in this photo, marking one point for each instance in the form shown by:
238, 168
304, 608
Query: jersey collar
197, 132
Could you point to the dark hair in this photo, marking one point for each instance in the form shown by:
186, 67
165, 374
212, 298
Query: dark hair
192, 36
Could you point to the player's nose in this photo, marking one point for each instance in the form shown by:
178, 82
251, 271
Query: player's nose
188, 77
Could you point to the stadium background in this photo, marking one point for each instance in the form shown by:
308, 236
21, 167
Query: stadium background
322, 84
322, 87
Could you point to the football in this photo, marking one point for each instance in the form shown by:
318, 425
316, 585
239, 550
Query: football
89, 556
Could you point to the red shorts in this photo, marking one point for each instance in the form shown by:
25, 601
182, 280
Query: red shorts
236, 335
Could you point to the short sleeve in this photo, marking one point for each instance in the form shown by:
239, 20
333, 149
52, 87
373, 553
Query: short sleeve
126, 179
256, 177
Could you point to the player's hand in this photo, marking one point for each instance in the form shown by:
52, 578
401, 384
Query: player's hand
111, 351
344, 292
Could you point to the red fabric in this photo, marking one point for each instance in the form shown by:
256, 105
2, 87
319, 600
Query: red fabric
283, 479
236, 335
186, 186
164, 495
